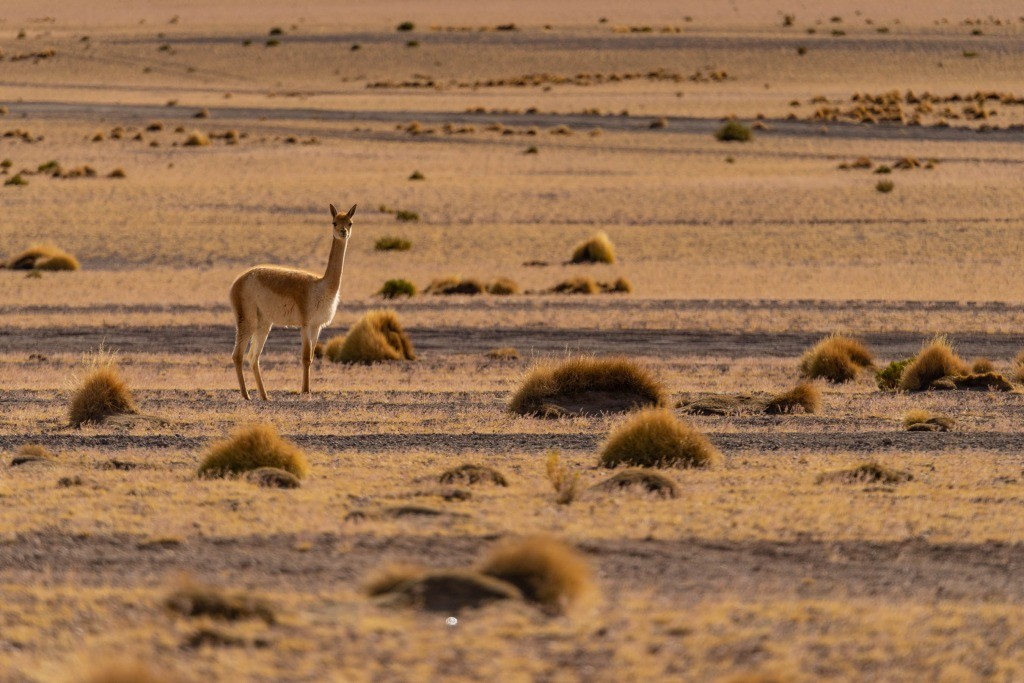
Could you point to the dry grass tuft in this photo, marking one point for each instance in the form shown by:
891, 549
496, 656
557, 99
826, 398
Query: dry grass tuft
980, 366
472, 474
503, 286
620, 286
32, 453
503, 353
251, 448
652, 483
546, 570
597, 249
867, 473
43, 257
197, 139
803, 397
191, 599
581, 284
835, 358
655, 438
918, 420
455, 285
585, 384
123, 672
935, 361
564, 482
377, 337
102, 393
273, 478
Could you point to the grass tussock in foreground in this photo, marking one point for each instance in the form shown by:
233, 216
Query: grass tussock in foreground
377, 337
835, 358
191, 599
102, 393
251, 448
935, 361
43, 257
655, 438
546, 570
584, 383
597, 249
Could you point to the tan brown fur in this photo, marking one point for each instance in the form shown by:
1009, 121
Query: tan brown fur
265, 296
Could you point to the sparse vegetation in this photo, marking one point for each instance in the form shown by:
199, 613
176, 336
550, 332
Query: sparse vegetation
655, 438
580, 284
377, 336
835, 358
16, 180
102, 393
395, 288
867, 473
546, 570
391, 243
888, 378
733, 131
127, 671
250, 448
32, 453
503, 353
562, 480
586, 385
192, 599
597, 249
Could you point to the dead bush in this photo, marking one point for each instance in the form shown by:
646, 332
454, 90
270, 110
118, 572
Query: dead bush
251, 448
102, 393
584, 385
377, 337
655, 438
32, 453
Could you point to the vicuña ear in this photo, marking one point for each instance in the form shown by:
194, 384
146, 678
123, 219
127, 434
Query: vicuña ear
334, 212
352, 211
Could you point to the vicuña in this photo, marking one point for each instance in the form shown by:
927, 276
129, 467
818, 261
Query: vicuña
265, 296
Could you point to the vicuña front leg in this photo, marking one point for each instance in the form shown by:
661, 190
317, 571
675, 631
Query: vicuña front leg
307, 358
258, 340
242, 337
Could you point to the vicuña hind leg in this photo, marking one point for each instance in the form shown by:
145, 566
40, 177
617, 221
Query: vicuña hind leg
258, 340
242, 337
308, 340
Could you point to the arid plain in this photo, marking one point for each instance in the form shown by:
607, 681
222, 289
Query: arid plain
534, 125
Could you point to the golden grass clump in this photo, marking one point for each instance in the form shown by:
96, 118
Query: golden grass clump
546, 570
935, 361
620, 383
655, 438
803, 397
980, 366
32, 453
835, 358
918, 420
251, 448
503, 286
43, 257
197, 138
503, 353
378, 336
597, 249
580, 284
102, 393
455, 285
191, 599
469, 473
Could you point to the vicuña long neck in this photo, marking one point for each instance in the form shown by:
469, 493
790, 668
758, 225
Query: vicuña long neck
335, 264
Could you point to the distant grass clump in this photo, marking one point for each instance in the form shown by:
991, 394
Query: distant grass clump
191, 599
404, 216
546, 570
581, 284
733, 131
585, 384
377, 337
503, 286
935, 361
406, 26
888, 378
392, 244
597, 249
503, 353
867, 473
918, 420
392, 289
455, 285
416, 175
251, 448
835, 358
43, 257
982, 365
102, 393
651, 483
16, 180
32, 453
655, 438
562, 479
197, 139
469, 473
885, 186
804, 397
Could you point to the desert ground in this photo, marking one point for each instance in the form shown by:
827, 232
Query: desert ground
534, 125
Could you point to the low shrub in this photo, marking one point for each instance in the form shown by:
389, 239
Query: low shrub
867, 473
888, 378
503, 353
393, 289
652, 483
581, 284
392, 244
469, 473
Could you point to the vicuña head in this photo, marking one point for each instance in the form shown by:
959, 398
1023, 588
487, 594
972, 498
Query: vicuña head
265, 296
